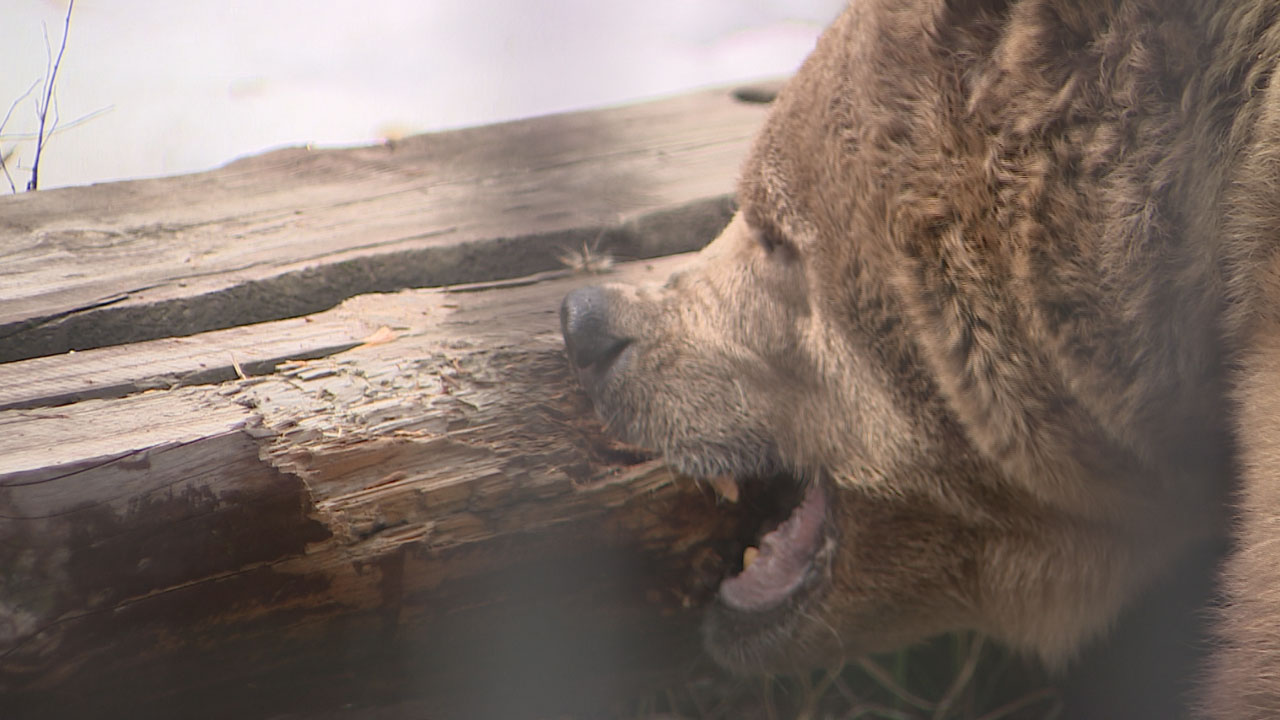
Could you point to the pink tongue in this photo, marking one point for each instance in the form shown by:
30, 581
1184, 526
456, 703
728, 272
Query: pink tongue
785, 555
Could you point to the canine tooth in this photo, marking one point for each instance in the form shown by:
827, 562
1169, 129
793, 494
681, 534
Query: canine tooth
749, 556
725, 486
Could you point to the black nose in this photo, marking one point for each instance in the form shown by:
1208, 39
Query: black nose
585, 322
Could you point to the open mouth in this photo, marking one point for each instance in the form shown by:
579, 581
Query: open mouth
784, 541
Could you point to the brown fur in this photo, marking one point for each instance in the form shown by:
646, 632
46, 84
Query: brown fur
1006, 274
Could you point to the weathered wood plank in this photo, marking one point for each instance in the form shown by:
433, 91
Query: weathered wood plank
120, 370
296, 231
425, 519
221, 355
212, 357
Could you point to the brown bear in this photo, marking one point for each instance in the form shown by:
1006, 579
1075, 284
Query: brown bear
996, 326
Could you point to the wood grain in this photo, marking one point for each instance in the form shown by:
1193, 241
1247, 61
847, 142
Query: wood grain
433, 516
296, 231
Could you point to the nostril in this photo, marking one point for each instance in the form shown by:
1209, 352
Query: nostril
584, 320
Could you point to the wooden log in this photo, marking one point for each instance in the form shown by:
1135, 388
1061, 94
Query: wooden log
297, 231
427, 524
391, 505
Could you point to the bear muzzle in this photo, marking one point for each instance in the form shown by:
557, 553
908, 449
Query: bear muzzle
589, 336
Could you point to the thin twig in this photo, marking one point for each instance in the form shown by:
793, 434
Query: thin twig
43, 110
673, 702
698, 709
961, 680
883, 712
882, 678
21, 97
4, 166
62, 127
1005, 711
766, 690
726, 700
813, 694
4, 156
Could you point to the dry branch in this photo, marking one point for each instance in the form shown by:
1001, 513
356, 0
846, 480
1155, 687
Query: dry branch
47, 99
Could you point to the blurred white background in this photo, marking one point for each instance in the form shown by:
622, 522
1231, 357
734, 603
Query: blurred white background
186, 86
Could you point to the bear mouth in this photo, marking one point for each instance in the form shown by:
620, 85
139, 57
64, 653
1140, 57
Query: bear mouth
784, 542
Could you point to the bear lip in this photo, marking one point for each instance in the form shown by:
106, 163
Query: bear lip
785, 558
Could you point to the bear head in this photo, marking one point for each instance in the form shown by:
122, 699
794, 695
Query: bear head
960, 341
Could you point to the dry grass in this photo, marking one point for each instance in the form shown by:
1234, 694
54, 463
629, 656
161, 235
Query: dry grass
958, 677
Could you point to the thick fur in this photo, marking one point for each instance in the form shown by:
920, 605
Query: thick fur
1006, 275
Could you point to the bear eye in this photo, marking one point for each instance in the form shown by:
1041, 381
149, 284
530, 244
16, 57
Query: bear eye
770, 239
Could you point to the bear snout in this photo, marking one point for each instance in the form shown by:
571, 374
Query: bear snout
589, 333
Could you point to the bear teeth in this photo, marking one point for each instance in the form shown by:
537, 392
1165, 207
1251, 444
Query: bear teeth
749, 556
725, 486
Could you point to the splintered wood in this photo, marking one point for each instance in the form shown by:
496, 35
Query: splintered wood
399, 504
